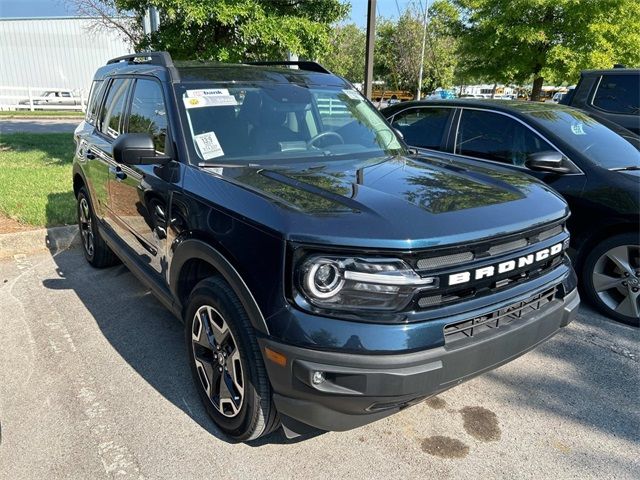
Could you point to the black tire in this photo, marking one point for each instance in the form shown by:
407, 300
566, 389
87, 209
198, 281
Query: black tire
606, 284
256, 416
95, 250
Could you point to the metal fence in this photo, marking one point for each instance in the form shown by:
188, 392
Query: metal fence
31, 98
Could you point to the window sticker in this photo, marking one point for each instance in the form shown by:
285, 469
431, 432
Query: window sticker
208, 145
210, 101
578, 129
208, 92
352, 94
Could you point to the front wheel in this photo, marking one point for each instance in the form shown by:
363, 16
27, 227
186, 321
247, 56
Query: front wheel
226, 362
611, 278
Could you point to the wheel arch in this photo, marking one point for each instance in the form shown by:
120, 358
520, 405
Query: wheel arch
193, 260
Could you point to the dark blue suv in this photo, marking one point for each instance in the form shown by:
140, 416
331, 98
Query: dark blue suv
326, 275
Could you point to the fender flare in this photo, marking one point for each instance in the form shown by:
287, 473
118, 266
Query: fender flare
194, 248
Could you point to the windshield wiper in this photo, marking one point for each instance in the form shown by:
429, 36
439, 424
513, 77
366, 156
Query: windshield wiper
622, 169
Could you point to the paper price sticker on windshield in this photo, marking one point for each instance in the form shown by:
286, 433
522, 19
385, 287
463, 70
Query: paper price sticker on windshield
208, 92
208, 145
352, 94
210, 101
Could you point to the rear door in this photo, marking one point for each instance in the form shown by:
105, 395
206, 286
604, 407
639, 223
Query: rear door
617, 98
139, 194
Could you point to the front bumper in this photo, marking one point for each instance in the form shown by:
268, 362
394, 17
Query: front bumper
359, 389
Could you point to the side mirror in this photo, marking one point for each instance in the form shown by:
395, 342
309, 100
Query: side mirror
549, 161
400, 134
137, 149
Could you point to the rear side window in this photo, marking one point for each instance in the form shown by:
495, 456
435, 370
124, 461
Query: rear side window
114, 106
422, 127
496, 137
94, 102
148, 112
618, 94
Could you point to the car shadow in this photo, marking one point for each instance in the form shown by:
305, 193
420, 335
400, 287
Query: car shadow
143, 332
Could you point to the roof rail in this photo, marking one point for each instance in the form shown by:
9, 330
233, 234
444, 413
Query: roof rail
157, 58
301, 64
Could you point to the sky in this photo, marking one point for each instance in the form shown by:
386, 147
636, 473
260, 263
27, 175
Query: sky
57, 8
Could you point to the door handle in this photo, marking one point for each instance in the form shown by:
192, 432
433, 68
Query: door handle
118, 173
89, 155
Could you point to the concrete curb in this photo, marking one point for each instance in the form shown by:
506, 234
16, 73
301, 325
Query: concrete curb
53, 239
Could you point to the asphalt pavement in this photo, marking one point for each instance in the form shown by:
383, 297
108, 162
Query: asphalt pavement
94, 383
39, 125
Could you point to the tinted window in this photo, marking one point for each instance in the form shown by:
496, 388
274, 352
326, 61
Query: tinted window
619, 94
148, 112
496, 137
600, 144
113, 111
422, 127
94, 101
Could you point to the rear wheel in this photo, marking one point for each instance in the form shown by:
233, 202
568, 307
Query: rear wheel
226, 362
96, 251
611, 278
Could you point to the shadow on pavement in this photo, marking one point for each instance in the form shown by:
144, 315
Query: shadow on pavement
603, 385
142, 331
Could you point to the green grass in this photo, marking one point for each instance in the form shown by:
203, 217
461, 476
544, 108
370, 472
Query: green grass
41, 113
35, 178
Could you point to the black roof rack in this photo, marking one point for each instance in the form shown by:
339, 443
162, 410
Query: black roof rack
162, 59
301, 64
156, 58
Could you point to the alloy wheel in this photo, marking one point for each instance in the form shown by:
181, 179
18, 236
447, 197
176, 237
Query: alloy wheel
217, 360
86, 226
616, 279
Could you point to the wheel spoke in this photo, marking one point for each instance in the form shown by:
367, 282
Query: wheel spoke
620, 256
199, 334
602, 282
629, 306
227, 396
208, 375
218, 327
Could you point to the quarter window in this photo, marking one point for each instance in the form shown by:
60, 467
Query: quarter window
94, 101
619, 94
148, 112
496, 137
422, 127
113, 111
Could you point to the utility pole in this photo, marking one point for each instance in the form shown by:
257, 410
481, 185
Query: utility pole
371, 40
151, 20
424, 41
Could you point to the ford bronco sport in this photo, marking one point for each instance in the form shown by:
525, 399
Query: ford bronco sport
327, 277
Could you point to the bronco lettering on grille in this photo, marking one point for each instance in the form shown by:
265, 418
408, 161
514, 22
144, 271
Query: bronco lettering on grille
504, 267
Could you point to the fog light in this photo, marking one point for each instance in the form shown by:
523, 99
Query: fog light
318, 378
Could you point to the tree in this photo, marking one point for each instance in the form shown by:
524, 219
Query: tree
537, 40
104, 15
239, 30
345, 56
399, 45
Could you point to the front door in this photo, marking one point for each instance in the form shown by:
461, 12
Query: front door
139, 194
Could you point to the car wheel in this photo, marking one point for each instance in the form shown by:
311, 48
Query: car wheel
96, 251
611, 278
226, 362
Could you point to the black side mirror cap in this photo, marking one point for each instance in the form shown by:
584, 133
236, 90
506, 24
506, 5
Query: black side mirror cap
549, 161
137, 149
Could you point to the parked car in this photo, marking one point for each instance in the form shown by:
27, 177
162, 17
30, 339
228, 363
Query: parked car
558, 96
596, 167
612, 94
326, 277
55, 97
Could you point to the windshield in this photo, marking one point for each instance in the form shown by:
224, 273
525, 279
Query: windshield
600, 144
282, 122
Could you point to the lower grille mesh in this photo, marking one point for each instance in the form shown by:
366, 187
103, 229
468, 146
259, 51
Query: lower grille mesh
501, 317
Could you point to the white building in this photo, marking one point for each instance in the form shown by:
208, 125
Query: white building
48, 53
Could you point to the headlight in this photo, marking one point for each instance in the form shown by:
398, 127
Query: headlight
353, 283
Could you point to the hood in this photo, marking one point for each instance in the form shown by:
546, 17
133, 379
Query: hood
403, 202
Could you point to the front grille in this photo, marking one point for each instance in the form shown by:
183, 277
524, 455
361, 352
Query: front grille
499, 318
492, 249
